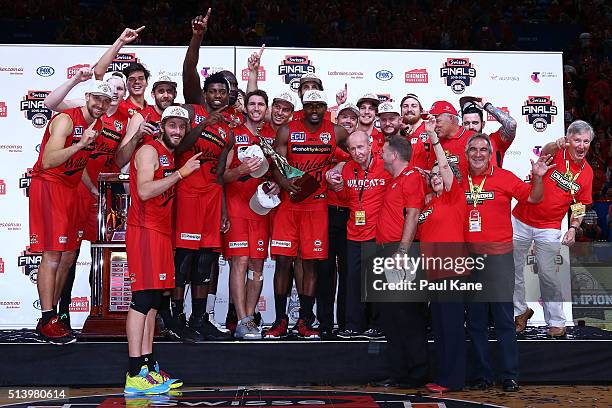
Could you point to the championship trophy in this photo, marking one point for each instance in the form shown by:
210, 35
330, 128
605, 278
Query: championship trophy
306, 183
117, 217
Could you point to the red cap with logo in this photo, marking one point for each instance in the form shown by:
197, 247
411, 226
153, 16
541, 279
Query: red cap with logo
440, 107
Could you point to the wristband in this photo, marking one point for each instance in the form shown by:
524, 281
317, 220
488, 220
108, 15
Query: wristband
574, 227
435, 144
485, 105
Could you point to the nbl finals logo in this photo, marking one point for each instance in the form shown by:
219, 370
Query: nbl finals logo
34, 109
539, 111
458, 74
292, 69
29, 262
24, 182
122, 61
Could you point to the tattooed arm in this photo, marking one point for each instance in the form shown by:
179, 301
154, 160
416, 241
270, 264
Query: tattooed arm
508, 124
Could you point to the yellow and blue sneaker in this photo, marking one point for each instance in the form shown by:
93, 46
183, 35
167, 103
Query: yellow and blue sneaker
144, 383
161, 376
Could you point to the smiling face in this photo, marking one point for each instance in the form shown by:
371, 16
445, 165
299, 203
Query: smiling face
164, 95
281, 112
390, 123
216, 95
97, 105
478, 155
411, 111
445, 125
137, 83
119, 90
435, 180
348, 120
256, 108
367, 113
579, 144
173, 132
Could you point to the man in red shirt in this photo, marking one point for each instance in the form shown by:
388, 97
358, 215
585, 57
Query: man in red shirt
68, 141
308, 144
453, 136
368, 109
403, 323
362, 185
149, 247
568, 184
489, 191
422, 151
473, 119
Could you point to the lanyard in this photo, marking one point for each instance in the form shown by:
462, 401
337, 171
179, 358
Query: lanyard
475, 190
571, 177
365, 177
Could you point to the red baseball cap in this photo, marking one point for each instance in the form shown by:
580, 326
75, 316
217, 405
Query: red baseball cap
440, 107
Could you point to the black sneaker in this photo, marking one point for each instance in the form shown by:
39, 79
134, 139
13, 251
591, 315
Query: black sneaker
176, 328
206, 329
372, 334
349, 334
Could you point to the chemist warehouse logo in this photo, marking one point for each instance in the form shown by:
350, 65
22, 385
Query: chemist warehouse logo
292, 69
33, 108
29, 262
458, 74
539, 111
122, 61
24, 182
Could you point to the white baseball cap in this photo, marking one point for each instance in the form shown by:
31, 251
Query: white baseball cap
101, 88
311, 77
175, 112
314, 96
164, 79
261, 203
369, 97
349, 106
389, 107
254, 151
285, 97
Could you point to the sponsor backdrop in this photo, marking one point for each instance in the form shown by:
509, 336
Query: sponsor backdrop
527, 85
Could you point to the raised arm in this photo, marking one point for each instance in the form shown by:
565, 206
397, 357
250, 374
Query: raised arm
192, 89
127, 36
253, 64
56, 99
538, 170
445, 170
508, 124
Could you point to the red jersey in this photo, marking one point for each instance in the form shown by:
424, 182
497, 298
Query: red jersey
333, 197
378, 139
500, 146
549, 212
234, 116
132, 108
441, 230
69, 173
404, 191
154, 213
211, 143
493, 205
238, 193
364, 192
454, 148
102, 159
422, 151
311, 152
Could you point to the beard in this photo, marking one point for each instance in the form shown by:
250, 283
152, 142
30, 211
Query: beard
168, 141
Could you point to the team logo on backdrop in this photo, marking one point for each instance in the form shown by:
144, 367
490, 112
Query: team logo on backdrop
261, 74
122, 61
11, 70
416, 76
384, 75
73, 70
458, 74
537, 76
29, 262
208, 71
79, 304
34, 109
539, 111
3, 110
2, 187
45, 71
24, 182
492, 118
537, 150
293, 67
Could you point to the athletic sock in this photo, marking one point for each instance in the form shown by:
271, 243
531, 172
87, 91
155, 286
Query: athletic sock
47, 315
135, 364
177, 307
150, 361
280, 305
198, 306
210, 302
306, 304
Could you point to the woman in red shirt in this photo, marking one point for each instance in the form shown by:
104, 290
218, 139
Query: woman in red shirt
441, 233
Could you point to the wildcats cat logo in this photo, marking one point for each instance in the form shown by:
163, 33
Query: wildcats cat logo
292, 69
539, 111
458, 74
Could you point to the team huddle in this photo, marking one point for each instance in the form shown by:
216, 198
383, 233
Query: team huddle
246, 176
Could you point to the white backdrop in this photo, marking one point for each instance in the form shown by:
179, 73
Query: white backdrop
509, 80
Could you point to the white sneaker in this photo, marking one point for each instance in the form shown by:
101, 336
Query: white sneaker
211, 319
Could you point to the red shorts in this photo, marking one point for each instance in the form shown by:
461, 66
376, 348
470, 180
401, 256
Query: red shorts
198, 219
88, 213
303, 229
52, 223
247, 237
150, 258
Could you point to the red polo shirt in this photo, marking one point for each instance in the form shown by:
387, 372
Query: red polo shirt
404, 191
549, 212
454, 148
494, 205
